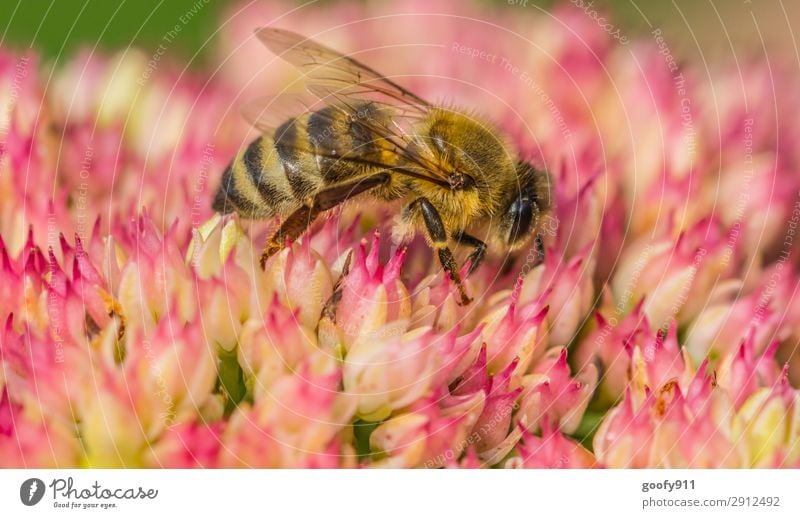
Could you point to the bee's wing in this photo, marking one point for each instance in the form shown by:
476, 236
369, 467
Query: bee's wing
268, 112
382, 122
342, 81
328, 72
394, 126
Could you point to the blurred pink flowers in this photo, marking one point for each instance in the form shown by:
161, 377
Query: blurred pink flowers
661, 330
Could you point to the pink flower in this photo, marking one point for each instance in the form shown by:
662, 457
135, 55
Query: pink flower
761, 211
115, 434
373, 298
297, 423
494, 440
301, 280
172, 369
154, 275
567, 288
676, 277
582, 211
694, 431
511, 331
700, 427
388, 372
22, 437
657, 360
551, 394
276, 344
140, 331
743, 372
610, 344
186, 445
721, 327
49, 375
425, 437
767, 425
625, 436
550, 451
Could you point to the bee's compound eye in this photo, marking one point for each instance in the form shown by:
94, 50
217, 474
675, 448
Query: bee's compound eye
520, 214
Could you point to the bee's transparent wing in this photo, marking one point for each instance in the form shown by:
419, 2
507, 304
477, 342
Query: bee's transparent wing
382, 141
269, 112
395, 129
328, 72
347, 84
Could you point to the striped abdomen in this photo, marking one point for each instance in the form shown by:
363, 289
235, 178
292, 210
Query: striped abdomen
275, 174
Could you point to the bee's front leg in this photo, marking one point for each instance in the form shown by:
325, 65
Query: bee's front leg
478, 250
438, 237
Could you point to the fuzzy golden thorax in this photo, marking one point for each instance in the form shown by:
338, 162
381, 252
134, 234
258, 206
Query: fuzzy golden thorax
462, 145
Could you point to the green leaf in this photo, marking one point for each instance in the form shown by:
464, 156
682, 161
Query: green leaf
362, 431
231, 380
588, 427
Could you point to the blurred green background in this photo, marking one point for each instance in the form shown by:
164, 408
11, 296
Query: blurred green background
58, 27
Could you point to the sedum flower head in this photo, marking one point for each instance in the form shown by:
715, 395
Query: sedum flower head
659, 331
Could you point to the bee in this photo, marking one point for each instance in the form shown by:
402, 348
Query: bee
363, 134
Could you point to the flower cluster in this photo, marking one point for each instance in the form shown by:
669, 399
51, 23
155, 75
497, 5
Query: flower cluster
661, 329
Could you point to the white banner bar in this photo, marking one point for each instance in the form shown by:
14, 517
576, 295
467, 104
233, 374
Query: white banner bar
400, 493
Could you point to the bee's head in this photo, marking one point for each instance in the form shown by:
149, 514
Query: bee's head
524, 209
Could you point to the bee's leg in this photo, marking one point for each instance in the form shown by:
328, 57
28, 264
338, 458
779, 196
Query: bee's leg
478, 253
329, 197
538, 245
329, 309
297, 222
438, 236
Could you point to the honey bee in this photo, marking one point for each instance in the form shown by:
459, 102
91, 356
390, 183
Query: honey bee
364, 134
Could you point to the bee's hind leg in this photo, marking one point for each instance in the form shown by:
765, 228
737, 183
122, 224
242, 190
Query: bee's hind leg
329, 197
478, 250
294, 226
438, 236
